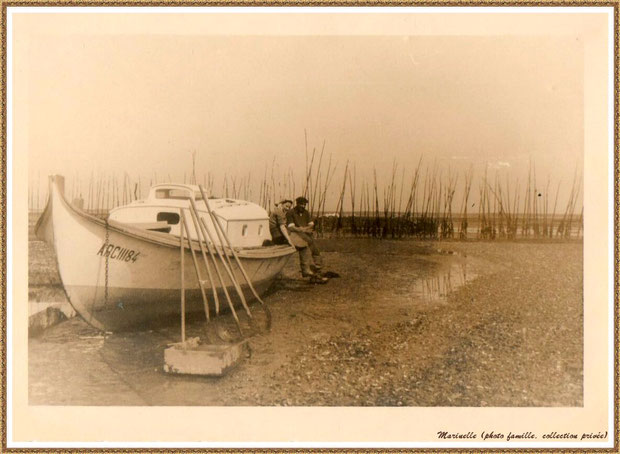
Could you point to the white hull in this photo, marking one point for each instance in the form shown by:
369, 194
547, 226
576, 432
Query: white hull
117, 277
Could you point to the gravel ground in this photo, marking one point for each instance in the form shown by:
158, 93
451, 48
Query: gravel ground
408, 323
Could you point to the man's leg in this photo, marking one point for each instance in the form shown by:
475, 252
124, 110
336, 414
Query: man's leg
316, 255
305, 259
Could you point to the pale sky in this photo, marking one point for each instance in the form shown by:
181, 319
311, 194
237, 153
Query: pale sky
140, 103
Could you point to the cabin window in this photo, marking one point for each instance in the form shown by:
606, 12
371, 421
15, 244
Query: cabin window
170, 218
260, 230
182, 194
244, 230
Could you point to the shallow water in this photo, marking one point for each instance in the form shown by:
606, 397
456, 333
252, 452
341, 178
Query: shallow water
447, 279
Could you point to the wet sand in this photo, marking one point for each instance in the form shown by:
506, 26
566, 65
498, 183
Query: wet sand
408, 323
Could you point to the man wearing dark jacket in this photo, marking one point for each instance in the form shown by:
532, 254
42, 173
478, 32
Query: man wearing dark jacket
301, 227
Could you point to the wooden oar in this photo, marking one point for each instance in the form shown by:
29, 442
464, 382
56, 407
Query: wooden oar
208, 331
191, 248
228, 268
193, 215
219, 228
207, 238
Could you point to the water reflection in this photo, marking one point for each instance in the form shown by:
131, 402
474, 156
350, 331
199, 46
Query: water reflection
436, 288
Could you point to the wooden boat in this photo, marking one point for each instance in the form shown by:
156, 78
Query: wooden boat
124, 272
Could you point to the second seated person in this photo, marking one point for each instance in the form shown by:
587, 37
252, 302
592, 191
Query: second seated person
301, 226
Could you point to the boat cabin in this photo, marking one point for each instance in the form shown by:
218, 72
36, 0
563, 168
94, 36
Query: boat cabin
245, 223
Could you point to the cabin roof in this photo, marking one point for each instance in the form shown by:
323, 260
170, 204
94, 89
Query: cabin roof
191, 187
226, 207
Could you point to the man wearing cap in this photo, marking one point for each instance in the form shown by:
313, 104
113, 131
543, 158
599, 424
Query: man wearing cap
277, 223
301, 227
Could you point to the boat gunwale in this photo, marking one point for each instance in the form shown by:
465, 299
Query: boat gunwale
160, 239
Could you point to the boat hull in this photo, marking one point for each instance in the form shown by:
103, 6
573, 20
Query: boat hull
119, 278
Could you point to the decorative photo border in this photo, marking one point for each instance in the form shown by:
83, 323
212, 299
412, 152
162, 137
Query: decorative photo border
6, 357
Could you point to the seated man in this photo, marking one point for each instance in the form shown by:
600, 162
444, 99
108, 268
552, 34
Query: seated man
301, 226
277, 223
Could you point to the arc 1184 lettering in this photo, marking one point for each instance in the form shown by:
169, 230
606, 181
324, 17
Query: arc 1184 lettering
118, 253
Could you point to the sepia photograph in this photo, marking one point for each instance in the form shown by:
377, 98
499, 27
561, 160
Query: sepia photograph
311, 227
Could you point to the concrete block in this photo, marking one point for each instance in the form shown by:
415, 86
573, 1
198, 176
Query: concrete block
203, 359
